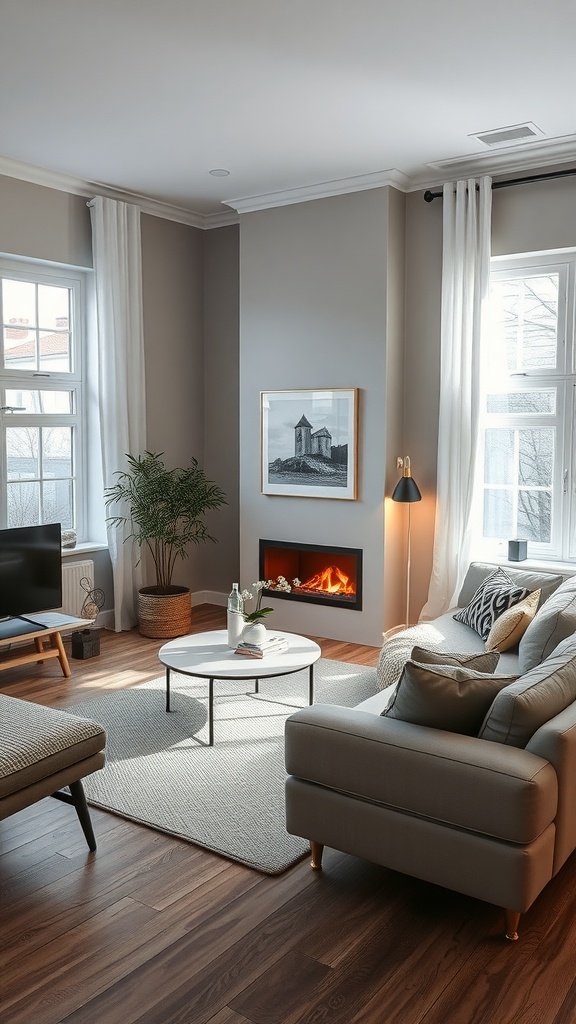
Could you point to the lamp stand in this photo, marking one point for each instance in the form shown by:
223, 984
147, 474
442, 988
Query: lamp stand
408, 571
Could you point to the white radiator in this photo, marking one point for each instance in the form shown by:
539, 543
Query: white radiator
73, 595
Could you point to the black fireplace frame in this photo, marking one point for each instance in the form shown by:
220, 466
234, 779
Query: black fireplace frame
351, 603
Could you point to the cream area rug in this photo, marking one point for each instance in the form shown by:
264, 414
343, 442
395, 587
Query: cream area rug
228, 798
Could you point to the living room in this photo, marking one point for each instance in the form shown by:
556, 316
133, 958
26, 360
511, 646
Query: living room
336, 290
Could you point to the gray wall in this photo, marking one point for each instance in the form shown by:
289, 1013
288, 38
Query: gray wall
525, 219
43, 223
221, 561
314, 314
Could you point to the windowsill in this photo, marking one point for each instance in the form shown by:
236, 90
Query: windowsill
532, 564
84, 548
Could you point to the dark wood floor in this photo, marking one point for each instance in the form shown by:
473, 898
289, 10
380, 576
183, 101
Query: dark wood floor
150, 929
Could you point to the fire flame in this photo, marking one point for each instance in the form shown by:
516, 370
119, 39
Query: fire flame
330, 581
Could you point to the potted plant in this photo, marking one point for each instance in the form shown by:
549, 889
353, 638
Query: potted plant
165, 509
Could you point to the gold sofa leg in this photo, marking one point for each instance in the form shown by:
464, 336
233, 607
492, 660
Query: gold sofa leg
512, 920
317, 850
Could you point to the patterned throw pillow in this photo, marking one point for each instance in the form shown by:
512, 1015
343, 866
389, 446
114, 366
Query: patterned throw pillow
494, 596
512, 625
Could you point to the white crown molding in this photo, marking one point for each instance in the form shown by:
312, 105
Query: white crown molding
81, 187
512, 159
322, 190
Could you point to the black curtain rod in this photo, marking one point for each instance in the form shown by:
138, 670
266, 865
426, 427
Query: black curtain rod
429, 196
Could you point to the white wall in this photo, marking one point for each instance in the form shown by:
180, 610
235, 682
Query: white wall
313, 314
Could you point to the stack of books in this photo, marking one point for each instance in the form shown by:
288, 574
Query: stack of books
271, 645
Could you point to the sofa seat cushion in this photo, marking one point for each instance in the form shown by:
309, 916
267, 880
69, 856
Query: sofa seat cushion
510, 627
37, 742
537, 696
493, 597
450, 697
459, 781
555, 621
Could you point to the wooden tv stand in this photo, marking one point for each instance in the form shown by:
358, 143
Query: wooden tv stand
53, 625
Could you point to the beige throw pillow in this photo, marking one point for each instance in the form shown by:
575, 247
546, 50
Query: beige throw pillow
445, 696
511, 626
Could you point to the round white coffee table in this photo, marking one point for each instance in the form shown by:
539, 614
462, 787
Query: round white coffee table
208, 656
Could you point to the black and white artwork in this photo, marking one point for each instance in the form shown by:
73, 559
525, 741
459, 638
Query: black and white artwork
309, 443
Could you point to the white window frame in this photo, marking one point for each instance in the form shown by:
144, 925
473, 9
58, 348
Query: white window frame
72, 381
562, 380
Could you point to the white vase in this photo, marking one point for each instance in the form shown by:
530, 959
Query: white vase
254, 633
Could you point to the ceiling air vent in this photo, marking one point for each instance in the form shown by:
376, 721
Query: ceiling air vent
508, 136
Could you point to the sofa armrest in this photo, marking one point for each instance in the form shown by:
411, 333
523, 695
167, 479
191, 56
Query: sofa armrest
459, 780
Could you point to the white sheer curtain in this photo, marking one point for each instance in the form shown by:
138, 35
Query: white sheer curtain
465, 281
118, 285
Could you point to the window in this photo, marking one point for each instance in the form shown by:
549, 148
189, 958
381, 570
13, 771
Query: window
527, 408
42, 311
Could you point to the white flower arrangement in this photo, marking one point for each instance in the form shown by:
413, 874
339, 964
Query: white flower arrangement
280, 583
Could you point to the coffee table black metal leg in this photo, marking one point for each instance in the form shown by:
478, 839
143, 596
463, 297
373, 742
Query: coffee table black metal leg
167, 689
211, 712
311, 684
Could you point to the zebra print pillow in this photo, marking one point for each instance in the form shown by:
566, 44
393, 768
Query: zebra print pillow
494, 596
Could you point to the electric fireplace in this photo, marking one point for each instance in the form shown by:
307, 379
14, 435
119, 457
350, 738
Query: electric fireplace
325, 574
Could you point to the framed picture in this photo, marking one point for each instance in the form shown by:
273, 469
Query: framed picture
309, 443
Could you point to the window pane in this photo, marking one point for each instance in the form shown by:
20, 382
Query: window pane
57, 451
53, 307
19, 302
54, 351
522, 403
24, 504
55, 402
498, 513
525, 314
498, 456
57, 503
536, 456
535, 516
19, 349
22, 453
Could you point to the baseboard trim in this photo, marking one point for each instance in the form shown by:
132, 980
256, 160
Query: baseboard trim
209, 597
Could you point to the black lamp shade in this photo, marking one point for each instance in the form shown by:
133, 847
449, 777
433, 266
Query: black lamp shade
406, 490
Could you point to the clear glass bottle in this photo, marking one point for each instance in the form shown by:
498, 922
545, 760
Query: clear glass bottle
235, 616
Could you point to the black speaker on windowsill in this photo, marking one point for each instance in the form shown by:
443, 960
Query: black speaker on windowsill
517, 550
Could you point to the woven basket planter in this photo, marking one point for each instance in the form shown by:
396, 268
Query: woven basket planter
164, 616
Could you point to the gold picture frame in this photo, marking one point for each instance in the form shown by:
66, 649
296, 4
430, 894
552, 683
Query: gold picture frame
309, 443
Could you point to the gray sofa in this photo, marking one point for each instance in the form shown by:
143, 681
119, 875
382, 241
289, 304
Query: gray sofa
489, 814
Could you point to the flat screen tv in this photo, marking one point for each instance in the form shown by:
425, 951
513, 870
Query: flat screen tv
30, 574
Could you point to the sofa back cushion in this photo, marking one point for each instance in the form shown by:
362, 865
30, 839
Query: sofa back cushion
493, 597
444, 696
477, 572
533, 699
554, 622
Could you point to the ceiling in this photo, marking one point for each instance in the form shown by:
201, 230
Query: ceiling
295, 98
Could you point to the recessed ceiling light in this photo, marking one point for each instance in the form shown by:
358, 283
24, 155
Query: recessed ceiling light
219, 172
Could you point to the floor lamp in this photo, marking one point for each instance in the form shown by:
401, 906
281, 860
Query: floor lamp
406, 491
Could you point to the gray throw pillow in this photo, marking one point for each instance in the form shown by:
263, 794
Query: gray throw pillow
555, 620
494, 596
484, 662
533, 699
444, 696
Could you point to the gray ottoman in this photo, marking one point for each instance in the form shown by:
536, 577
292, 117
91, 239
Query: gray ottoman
42, 750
